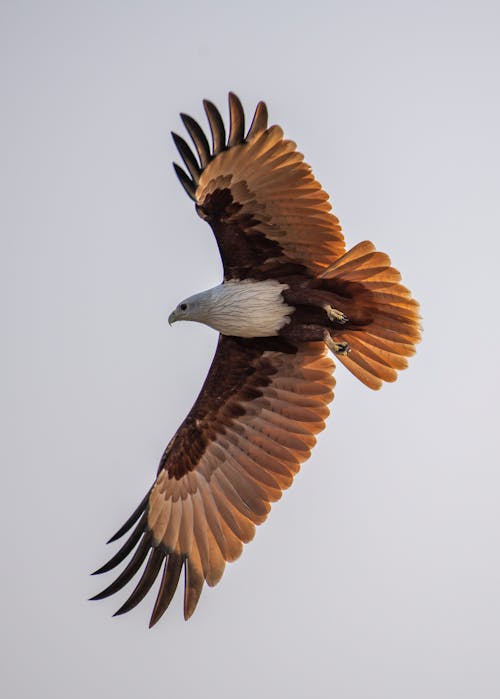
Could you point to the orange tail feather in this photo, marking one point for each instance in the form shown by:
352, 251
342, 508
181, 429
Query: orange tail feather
389, 319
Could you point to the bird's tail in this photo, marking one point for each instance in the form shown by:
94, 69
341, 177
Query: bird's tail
383, 319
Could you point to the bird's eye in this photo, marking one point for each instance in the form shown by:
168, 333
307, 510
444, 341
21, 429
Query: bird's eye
183, 306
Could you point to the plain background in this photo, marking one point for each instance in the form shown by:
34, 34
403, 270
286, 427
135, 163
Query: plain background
377, 575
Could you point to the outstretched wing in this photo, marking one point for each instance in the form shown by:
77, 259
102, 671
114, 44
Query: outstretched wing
270, 217
251, 427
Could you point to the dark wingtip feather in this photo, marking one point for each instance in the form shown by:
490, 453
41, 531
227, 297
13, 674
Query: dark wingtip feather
144, 585
236, 121
193, 585
168, 585
131, 520
199, 139
125, 549
259, 121
185, 181
129, 571
188, 157
216, 127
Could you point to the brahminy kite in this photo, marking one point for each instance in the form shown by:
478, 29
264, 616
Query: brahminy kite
291, 295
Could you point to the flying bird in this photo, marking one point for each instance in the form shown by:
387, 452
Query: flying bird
290, 298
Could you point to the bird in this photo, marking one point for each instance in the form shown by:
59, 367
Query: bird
292, 300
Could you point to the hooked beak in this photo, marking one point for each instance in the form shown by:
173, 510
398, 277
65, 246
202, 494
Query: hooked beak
172, 318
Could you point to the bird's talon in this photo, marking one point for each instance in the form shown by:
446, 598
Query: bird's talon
335, 315
341, 348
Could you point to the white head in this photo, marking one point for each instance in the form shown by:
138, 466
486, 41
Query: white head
193, 308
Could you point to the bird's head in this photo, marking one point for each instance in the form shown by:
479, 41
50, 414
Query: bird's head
191, 308
180, 312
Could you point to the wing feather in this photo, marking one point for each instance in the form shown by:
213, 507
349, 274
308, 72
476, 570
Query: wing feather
199, 139
242, 527
259, 121
236, 121
127, 547
130, 570
187, 523
200, 533
188, 157
169, 581
145, 583
186, 182
136, 514
216, 127
171, 536
193, 581
252, 468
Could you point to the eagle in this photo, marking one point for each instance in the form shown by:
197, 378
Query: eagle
291, 298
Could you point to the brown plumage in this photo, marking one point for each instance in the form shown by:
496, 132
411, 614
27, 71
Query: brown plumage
265, 398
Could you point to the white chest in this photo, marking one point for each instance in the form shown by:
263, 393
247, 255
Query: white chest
245, 308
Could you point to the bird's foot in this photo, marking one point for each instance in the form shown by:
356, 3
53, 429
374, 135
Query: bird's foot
335, 315
341, 348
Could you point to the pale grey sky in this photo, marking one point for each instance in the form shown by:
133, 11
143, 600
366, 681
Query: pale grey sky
377, 575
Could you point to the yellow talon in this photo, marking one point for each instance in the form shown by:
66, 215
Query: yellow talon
341, 348
335, 315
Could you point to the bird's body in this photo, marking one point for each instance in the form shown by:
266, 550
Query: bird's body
290, 294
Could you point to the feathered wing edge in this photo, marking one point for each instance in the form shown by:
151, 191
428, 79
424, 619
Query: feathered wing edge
268, 213
196, 165
247, 464
142, 538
